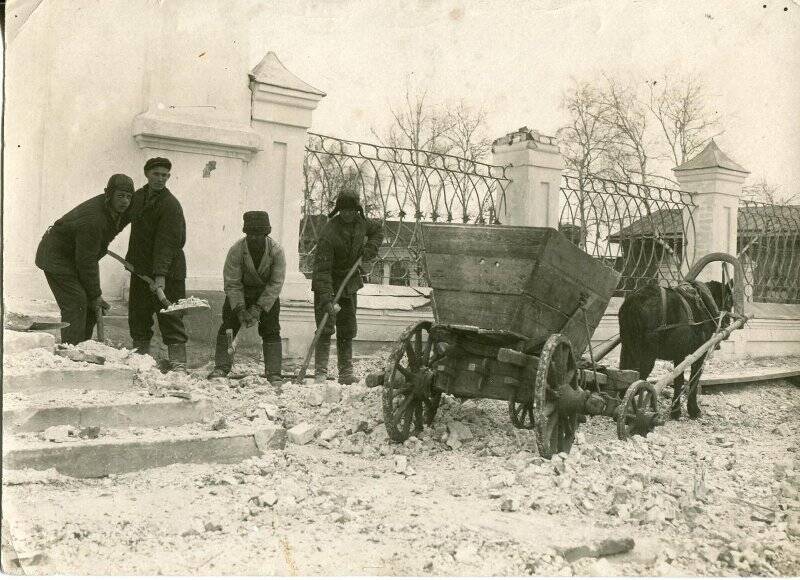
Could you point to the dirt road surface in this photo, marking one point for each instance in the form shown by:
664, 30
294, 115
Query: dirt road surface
470, 496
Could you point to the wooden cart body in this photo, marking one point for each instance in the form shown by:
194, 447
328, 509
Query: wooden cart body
529, 281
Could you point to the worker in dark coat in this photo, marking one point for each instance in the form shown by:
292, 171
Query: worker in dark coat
69, 253
158, 234
347, 236
254, 271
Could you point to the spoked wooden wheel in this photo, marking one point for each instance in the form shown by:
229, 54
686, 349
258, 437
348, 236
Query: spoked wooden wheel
557, 397
638, 412
520, 407
408, 393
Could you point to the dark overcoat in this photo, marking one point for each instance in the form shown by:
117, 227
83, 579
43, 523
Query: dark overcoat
77, 241
158, 234
338, 247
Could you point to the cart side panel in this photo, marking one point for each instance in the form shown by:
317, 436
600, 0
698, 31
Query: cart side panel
478, 273
565, 274
488, 311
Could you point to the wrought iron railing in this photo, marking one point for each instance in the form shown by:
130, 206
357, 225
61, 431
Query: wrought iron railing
402, 188
642, 231
769, 248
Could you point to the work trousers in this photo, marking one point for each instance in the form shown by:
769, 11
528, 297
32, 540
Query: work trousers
74, 305
143, 304
344, 321
269, 328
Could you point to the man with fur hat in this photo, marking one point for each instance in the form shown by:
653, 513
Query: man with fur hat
69, 253
254, 271
158, 234
347, 236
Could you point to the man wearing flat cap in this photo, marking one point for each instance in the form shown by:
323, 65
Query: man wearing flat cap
155, 248
347, 236
254, 271
70, 250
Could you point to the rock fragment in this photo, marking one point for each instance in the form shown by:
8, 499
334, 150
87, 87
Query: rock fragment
302, 433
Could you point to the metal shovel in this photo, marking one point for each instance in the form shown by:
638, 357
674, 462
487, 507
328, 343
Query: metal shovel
301, 372
176, 311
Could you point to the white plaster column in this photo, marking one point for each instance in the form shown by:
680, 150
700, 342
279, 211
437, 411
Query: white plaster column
535, 169
716, 183
282, 106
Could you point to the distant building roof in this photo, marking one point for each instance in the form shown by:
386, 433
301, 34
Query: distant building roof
766, 219
711, 156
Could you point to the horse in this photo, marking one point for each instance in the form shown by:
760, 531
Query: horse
670, 324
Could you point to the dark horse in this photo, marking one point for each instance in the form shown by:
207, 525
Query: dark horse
669, 324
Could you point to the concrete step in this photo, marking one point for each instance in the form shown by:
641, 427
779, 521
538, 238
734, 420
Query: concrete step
102, 457
149, 412
104, 378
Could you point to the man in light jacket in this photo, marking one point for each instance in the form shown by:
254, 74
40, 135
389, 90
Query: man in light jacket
254, 273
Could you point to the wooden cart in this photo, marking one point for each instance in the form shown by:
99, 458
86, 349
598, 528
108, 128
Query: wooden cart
513, 306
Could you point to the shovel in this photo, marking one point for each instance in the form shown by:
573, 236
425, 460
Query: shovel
170, 308
301, 372
24, 323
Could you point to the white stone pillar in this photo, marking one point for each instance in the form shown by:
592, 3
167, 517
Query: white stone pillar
716, 183
282, 105
535, 169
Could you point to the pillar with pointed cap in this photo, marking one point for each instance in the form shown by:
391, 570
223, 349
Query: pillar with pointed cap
716, 182
282, 105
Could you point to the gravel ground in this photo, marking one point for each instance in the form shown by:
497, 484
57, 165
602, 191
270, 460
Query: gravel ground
470, 496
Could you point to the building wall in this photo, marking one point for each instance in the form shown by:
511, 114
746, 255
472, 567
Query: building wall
72, 102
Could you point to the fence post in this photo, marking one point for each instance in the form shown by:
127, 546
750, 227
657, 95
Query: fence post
716, 183
535, 170
282, 106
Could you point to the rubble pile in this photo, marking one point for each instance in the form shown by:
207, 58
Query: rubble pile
40, 359
469, 495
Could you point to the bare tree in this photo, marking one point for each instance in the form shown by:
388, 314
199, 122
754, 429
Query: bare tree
585, 140
466, 132
631, 148
680, 106
417, 124
769, 193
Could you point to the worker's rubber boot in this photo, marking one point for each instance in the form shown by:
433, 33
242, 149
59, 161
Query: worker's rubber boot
141, 346
344, 353
273, 357
222, 360
177, 357
322, 353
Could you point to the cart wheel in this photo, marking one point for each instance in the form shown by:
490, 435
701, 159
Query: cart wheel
408, 396
556, 379
521, 412
638, 412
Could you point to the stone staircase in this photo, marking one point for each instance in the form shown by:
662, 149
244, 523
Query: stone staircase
96, 422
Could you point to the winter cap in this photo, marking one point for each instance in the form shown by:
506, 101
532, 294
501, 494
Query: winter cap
348, 199
256, 222
158, 162
119, 182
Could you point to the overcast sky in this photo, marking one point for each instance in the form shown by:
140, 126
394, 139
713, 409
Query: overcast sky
516, 57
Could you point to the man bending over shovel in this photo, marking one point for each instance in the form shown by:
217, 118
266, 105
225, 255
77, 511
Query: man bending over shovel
254, 273
70, 250
346, 237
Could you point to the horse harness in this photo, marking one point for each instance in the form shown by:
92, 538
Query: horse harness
698, 294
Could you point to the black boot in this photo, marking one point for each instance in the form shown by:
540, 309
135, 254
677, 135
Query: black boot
273, 357
222, 360
141, 346
322, 353
344, 353
177, 357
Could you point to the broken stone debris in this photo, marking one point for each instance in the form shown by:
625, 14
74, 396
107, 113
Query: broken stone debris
302, 433
270, 437
59, 433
